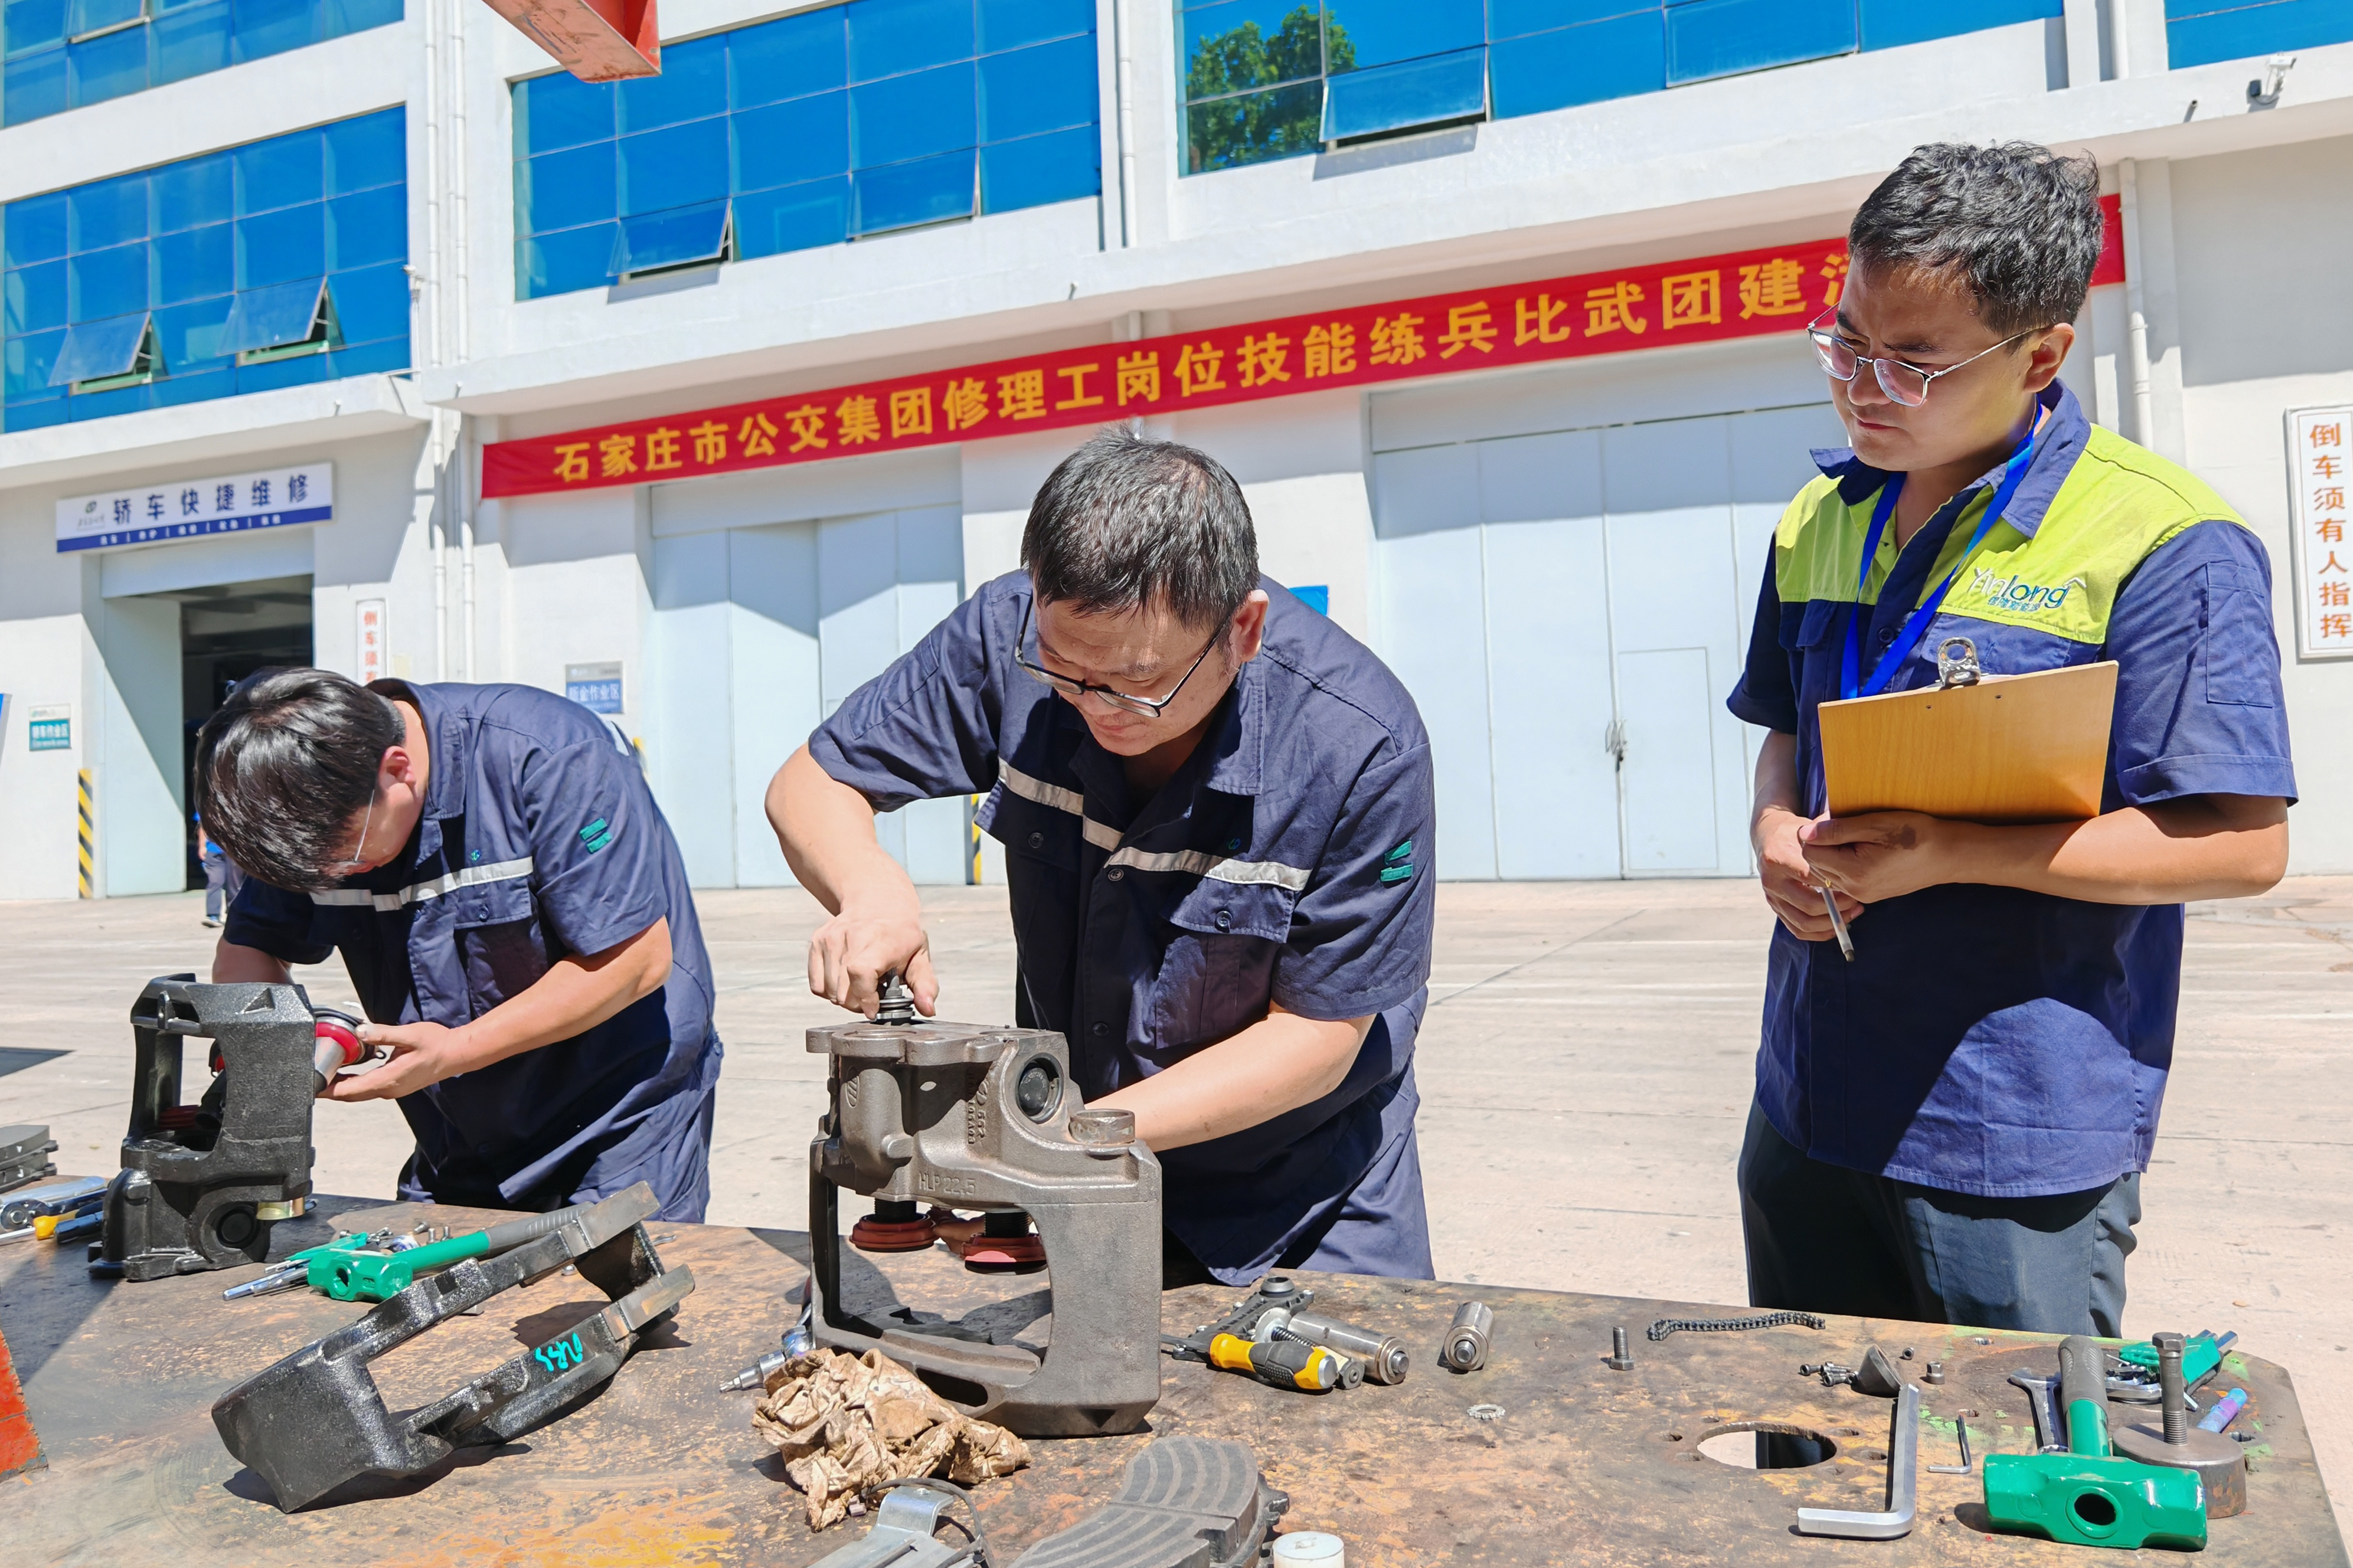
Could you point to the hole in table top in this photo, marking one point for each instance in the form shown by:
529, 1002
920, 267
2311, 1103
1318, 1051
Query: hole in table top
1766, 1445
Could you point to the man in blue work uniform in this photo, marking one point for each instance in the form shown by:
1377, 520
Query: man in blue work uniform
515, 915
1216, 812
1950, 1126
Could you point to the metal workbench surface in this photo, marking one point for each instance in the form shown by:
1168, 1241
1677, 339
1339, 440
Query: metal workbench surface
1585, 1465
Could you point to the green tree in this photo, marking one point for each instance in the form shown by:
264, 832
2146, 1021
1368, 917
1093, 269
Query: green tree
1285, 115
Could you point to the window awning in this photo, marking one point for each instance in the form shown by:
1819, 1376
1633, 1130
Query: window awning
1428, 91
676, 237
95, 350
274, 317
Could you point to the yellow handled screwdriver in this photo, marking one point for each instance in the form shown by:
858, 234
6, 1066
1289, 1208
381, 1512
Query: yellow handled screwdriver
1286, 1363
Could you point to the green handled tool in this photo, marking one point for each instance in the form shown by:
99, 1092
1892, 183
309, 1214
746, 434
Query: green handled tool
2085, 1495
360, 1266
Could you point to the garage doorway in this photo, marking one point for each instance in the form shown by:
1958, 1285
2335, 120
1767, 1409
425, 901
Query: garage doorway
227, 631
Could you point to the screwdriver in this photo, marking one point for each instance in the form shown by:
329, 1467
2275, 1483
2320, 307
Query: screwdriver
1286, 1363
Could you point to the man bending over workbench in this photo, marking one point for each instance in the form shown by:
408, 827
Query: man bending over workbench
1951, 1126
515, 915
1216, 810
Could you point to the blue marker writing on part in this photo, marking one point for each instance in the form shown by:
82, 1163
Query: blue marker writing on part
558, 1355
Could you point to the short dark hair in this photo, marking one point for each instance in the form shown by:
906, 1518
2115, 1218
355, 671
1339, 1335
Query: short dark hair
1125, 522
285, 764
2018, 226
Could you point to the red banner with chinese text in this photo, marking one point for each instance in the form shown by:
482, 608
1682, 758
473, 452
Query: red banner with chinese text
1746, 294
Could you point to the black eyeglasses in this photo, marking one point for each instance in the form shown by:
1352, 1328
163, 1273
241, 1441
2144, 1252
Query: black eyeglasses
1148, 707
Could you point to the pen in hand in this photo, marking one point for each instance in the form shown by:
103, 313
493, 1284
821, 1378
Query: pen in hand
1838, 925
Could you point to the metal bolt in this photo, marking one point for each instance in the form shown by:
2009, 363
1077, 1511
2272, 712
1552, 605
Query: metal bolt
1620, 1361
2169, 1378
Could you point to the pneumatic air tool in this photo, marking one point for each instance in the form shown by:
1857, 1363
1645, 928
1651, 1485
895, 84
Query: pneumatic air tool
202, 1184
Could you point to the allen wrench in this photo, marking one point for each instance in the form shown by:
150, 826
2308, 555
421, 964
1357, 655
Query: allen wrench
1903, 1484
1961, 1426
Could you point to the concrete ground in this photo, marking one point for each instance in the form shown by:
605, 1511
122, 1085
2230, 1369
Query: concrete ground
1585, 1072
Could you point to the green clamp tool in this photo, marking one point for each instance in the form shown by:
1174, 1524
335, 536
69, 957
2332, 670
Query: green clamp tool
2085, 1495
360, 1266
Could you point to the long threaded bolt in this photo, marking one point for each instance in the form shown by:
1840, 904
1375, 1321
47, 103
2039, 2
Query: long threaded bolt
2170, 1385
1620, 1359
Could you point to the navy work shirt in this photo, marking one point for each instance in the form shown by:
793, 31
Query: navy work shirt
1289, 859
1992, 1040
539, 839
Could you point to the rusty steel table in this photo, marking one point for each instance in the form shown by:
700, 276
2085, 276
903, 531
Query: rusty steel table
1585, 1465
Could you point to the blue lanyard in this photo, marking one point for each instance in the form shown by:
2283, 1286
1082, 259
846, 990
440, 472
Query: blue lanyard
1915, 624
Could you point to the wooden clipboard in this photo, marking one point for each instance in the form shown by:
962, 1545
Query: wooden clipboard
2010, 749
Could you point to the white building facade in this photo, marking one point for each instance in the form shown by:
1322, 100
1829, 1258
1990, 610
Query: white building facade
394, 257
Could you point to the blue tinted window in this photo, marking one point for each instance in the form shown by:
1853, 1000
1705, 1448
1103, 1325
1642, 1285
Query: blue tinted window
560, 111
34, 24
366, 152
279, 172
1012, 24
363, 359
788, 58
270, 374
672, 168
216, 282
107, 282
933, 85
786, 143
29, 360
106, 67
671, 238
1060, 166
1720, 37
564, 190
340, 16
34, 297
191, 42
107, 212
912, 116
194, 263
92, 16
95, 349
262, 28
34, 86
902, 196
1570, 66
692, 85
1360, 34
1416, 92
1046, 88
795, 217
35, 228
371, 304
277, 247
199, 191
1511, 18
191, 337
559, 263
890, 37
2200, 32
366, 229
1240, 44
1889, 23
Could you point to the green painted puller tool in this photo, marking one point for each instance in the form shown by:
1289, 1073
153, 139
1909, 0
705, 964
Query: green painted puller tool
361, 1266
2085, 1495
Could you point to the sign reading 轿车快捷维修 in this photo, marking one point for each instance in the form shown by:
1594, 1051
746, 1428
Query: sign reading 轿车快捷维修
191, 509
2320, 451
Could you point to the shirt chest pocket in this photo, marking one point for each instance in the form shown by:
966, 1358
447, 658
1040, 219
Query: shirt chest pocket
496, 931
1217, 966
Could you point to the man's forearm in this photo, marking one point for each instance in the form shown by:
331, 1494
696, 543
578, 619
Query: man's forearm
232, 963
1279, 1063
2204, 847
827, 831
574, 995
